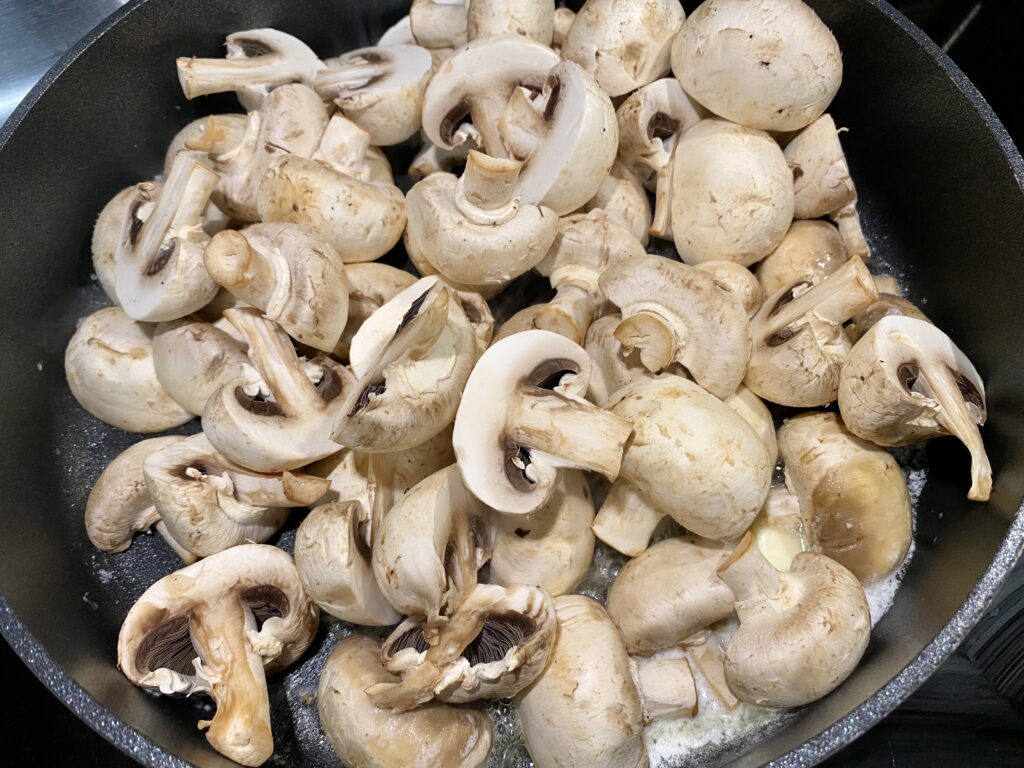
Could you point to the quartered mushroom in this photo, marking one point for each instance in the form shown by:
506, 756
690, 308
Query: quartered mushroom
614, 368
288, 421
622, 197
811, 250
799, 343
297, 279
888, 304
668, 690
771, 65
550, 548
379, 89
623, 45
584, 709
738, 281
216, 628
109, 367
438, 23
675, 313
523, 417
801, 632
370, 285
852, 495
492, 647
258, 60
434, 735
906, 381
533, 19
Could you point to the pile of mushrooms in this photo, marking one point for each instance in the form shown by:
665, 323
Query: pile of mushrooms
462, 453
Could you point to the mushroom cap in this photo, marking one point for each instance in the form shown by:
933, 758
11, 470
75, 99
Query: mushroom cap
623, 45
756, 414
438, 23
623, 198
737, 280
821, 177
107, 232
109, 367
811, 250
370, 285
669, 593
434, 735
207, 134
534, 19
693, 456
399, 33
584, 709
771, 65
732, 194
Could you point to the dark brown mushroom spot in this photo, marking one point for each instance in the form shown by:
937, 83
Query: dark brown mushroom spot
500, 633
136, 221
265, 601
412, 638
522, 533
550, 373
907, 374
360, 532
257, 404
969, 392
554, 88
661, 126
516, 475
168, 646
374, 388
789, 295
448, 560
449, 124
798, 173
329, 386
413, 310
163, 255
780, 338
252, 49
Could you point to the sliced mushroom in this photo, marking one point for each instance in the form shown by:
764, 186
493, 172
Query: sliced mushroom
811, 250
215, 628
109, 368
669, 593
379, 89
799, 342
584, 709
478, 312
771, 65
756, 414
667, 688
533, 19
906, 381
434, 735
438, 23
370, 285
258, 60
676, 313
625, 202
651, 120
888, 305
492, 647
887, 284
613, 367
523, 417
297, 279
801, 632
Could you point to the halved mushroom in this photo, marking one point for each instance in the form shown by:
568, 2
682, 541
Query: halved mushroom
676, 313
584, 709
771, 65
732, 194
523, 417
379, 89
613, 367
551, 548
801, 632
215, 628
258, 60
887, 305
667, 688
109, 368
106, 234
492, 647
297, 279
625, 202
286, 423
799, 342
623, 45
474, 229
370, 285
737, 280
811, 250
669, 593
434, 735
534, 19
756, 414
906, 381
158, 263
438, 23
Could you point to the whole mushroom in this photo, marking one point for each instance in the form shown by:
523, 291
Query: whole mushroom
533, 19
623, 199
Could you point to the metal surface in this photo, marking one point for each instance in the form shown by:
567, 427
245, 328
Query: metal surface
941, 188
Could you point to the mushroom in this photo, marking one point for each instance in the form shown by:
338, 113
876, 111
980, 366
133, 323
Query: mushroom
426, 552
737, 280
887, 284
432, 159
492, 647
732, 194
210, 133
109, 367
771, 65
669, 593
561, 23
216, 628
107, 232
799, 342
778, 530
584, 709
756, 414
434, 735
822, 184
208, 503
345, 148
523, 417
623, 45
887, 305
474, 229
551, 548
667, 688
370, 285
613, 367
438, 23
379, 89
158, 263
297, 279
906, 381
258, 60
533, 19
287, 422
709, 659
625, 202
801, 632
811, 250
676, 313
478, 312
361, 220
692, 457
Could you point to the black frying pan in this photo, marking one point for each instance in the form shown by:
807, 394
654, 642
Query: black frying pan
941, 192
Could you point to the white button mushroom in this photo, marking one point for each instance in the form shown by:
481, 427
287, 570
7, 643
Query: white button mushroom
523, 416
215, 628
811, 250
106, 233
109, 367
370, 285
738, 281
709, 659
771, 65
801, 632
613, 367
906, 381
434, 735
432, 159
756, 414
534, 19
622, 197
561, 24
887, 305
438, 23
209, 134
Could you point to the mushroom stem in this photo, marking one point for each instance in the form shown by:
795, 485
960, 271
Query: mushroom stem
485, 192
346, 144
667, 689
627, 519
357, 72
243, 270
835, 300
485, 111
217, 136
709, 659
573, 307
200, 77
749, 574
848, 222
661, 224
652, 334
